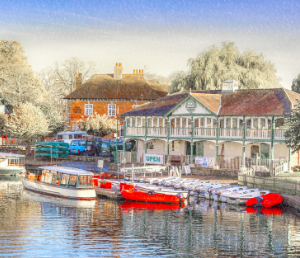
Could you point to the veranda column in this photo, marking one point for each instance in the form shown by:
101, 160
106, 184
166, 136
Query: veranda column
124, 135
192, 140
146, 132
244, 147
272, 138
168, 136
217, 143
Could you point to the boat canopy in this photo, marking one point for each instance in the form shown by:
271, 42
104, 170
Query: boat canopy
68, 170
6, 155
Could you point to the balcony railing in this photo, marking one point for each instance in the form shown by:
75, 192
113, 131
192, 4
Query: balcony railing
258, 134
279, 134
230, 133
135, 131
205, 132
157, 131
181, 131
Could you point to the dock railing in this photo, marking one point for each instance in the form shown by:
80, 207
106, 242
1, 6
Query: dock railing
143, 170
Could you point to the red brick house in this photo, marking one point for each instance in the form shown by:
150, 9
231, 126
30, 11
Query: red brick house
104, 93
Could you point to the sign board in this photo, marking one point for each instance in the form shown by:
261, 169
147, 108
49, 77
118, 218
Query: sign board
190, 105
153, 159
199, 160
205, 162
100, 163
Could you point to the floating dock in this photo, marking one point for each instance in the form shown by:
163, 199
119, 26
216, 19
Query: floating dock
109, 193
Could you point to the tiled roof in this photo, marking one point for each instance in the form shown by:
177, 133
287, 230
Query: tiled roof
240, 102
210, 101
104, 86
255, 102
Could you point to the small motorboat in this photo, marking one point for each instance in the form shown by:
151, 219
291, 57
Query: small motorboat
192, 188
138, 194
183, 185
208, 194
245, 197
173, 182
267, 200
159, 181
161, 189
221, 195
214, 194
232, 198
204, 189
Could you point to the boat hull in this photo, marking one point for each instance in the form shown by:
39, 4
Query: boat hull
269, 200
59, 191
11, 170
133, 195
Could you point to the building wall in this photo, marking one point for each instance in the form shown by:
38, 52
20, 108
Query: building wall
76, 109
231, 149
179, 148
209, 150
281, 151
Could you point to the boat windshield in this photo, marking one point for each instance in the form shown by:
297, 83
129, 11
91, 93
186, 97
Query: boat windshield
85, 180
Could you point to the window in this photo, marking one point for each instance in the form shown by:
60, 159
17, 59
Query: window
65, 179
85, 180
111, 109
75, 127
73, 180
88, 109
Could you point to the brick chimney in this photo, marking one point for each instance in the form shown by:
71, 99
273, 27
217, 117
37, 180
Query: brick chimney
78, 80
118, 71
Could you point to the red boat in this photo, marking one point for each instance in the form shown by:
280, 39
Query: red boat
133, 195
266, 200
265, 211
128, 205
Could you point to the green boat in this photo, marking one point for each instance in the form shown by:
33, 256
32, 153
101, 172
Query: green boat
53, 155
54, 150
11, 164
56, 144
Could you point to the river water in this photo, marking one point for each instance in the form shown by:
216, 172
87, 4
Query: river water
34, 225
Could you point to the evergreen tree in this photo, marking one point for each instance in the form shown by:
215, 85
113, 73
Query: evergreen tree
296, 84
292, 135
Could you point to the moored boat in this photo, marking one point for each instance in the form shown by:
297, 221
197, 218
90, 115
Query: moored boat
232, 198
64, 182
11, 164
266, 200
144, 195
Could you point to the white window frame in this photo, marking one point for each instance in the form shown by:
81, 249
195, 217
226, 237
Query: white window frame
75, 127
88, 109
112, 109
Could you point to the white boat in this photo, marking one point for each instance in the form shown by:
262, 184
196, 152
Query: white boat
174, 182
232, 198
185, 184
11, 164
57, 181
161, 180
224, 192
203, 188
208, 192
192, 188
245, 197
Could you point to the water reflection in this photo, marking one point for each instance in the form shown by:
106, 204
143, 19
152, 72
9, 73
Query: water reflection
34, 225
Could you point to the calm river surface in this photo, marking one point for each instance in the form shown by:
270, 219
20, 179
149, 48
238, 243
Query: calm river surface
33, 225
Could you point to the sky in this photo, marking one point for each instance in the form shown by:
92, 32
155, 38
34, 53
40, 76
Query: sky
158, 35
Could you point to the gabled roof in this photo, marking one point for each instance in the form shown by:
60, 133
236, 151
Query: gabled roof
278, 101
210, 101
104, 86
